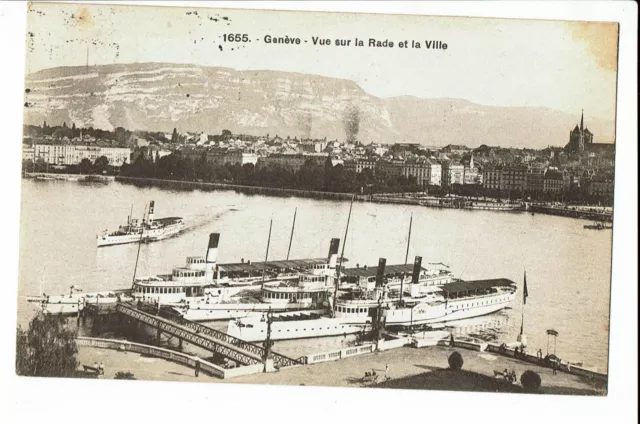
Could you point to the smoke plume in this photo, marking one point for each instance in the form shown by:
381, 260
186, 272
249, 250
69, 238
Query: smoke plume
351, 123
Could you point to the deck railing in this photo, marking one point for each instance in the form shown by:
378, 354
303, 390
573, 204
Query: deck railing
339, 354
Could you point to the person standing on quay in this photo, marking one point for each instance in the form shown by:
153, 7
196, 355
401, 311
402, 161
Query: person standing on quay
197, 367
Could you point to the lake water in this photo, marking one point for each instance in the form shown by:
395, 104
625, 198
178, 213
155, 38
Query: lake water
568, 268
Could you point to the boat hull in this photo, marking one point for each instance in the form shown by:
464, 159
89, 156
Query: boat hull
290, 330
446, 312
254, 329
149, 236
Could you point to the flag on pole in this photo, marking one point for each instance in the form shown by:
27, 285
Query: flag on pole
525, 291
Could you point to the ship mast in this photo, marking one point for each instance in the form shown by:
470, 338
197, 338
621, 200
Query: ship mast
135, 268
292, 227
406, 258
525, 294
266, 256
339, 267
129, 218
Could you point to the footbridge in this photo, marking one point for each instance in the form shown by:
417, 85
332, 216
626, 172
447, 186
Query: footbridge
204, 337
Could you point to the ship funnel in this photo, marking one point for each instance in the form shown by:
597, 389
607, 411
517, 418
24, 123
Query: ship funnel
380, 274
150, 214
212, 249
417, 267
333, 252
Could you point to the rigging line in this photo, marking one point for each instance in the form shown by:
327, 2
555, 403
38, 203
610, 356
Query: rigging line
266, 256
339, 268
406, 257
135, 268
292, 227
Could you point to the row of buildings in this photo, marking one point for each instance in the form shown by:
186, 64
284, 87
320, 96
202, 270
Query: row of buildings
514, 179
72, 154
425, 171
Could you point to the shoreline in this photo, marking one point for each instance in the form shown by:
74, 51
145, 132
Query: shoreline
584, 212
463, 203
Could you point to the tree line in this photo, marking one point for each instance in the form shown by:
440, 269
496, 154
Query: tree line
311, 176
99, 166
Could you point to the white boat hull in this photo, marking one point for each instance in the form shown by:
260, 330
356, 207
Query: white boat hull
254, 329
149, 236
451, 311
71, 305
290, 330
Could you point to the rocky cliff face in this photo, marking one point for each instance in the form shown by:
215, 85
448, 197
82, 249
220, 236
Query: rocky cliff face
160, 96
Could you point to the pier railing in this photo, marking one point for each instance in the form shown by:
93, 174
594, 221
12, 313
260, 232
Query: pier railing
335, 355
279, 360
171, 355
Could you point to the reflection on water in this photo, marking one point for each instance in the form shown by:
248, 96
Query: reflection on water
568, 268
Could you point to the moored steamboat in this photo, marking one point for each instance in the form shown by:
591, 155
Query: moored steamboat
443, 301
146, 230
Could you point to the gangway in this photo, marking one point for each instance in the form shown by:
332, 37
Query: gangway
205, 337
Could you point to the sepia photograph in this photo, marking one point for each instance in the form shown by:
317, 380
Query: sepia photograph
306, 198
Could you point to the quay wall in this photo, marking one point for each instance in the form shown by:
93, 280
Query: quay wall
581, 213
562, 366
62, 175
389, 198
181, 358
239, 188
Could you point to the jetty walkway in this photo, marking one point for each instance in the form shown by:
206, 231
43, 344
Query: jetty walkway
204, 337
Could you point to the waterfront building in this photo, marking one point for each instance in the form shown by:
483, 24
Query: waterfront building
435, 173
491, 177
513, 178
221, 156
358, 165
553, 181
28, 152
292, 163
69, 154
453, 173
534, 182
417, 168
601, 186
472, 174
240, 157
393, 168
424, 170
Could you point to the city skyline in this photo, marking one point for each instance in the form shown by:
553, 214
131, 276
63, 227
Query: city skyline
567, 66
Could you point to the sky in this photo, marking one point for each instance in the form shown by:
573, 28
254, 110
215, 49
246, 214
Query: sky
567, 66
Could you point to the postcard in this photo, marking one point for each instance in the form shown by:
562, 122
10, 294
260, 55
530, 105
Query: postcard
317, 199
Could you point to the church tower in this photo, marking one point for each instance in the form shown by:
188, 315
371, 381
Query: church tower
580, 138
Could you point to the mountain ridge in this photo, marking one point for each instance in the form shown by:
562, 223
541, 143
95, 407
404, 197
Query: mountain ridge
159, 96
